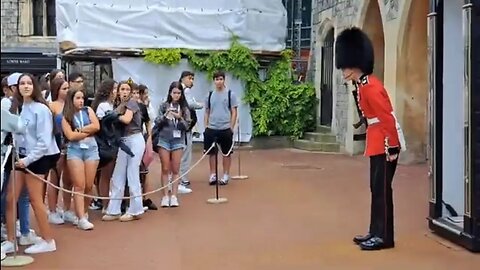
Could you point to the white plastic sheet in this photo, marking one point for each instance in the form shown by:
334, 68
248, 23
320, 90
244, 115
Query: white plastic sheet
191, 24
159, 77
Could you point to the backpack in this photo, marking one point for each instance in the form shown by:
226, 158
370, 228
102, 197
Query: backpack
106, 138
194, 119
229, 99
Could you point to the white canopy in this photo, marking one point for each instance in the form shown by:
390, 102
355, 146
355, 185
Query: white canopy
192, 24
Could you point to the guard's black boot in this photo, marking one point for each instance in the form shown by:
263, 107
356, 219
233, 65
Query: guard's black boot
375, 243
362, 238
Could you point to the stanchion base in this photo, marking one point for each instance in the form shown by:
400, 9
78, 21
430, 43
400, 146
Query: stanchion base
217, 201
240, 177
12, 261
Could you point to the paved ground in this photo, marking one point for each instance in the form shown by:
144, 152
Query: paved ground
297, 211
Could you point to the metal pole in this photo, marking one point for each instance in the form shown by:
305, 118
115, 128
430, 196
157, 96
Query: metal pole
217, 199
239, 176
216, 173
15, 260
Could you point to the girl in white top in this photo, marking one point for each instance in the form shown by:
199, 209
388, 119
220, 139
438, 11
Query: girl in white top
54, 74
38, 152
103, 102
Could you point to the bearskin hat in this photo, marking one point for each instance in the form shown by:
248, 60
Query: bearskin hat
353, 49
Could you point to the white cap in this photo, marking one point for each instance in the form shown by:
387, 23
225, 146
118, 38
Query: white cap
13, 78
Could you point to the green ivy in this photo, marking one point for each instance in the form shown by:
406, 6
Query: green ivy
169, 57
279, 106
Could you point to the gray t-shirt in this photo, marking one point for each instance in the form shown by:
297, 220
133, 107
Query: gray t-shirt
220, 113
135, 125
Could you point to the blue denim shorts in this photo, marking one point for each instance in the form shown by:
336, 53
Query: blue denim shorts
170, 145
74, 152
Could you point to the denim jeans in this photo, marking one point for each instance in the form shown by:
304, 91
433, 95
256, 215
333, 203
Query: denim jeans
23, 209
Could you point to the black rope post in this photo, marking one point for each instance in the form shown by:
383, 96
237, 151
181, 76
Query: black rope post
216, 170
15, 261
239, 176
217, 199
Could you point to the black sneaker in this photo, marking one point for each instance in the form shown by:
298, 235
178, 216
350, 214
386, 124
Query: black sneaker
95, 205
149, 204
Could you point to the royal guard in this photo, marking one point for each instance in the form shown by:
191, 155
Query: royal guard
354, 56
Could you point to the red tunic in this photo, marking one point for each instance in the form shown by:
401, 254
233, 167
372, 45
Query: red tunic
376, 107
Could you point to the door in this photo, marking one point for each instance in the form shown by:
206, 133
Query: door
326, 91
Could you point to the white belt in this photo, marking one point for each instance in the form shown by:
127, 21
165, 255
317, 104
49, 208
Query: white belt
401, 137
373, 120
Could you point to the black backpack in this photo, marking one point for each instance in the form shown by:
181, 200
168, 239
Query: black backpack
194, 119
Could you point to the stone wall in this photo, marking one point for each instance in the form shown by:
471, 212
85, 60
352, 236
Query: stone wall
338, 14
11, 28
9, 15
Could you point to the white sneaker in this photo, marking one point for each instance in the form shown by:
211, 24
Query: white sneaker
3, 256
8, 247
224, 179
108, 217
30, 239
128, 217
213, 179
174, 201
165, 201
183, 189
42, 247
55, 218
3, 233
70, 217
84, 224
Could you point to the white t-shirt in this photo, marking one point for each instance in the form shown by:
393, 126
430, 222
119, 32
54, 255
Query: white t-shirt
103, 108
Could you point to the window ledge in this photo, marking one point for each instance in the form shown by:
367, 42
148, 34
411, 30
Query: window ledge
37, 38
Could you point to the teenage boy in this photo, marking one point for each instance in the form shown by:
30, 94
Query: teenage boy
186, 79
220, 120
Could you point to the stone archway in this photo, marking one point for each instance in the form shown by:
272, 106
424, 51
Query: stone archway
412, 81
373, 26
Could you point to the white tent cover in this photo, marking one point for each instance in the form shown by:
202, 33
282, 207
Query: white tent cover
191, 24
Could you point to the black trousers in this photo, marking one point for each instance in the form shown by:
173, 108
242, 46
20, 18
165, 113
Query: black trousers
381, 215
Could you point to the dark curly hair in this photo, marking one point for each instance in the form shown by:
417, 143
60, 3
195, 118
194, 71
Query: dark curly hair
103, 93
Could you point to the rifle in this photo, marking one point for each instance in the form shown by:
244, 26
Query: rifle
362, 120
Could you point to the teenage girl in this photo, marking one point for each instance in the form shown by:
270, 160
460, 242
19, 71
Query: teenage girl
38, 152
174, 119
127, 168
79, 125
103, 102
59, 88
